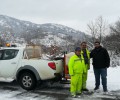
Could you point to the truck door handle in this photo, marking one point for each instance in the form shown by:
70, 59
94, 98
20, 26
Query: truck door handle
13, 63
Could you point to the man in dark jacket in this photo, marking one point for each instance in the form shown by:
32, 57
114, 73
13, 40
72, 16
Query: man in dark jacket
101, 61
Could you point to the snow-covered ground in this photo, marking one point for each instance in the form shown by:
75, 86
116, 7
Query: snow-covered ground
113, 78
14, 92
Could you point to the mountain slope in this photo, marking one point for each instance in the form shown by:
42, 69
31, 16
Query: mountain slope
12, 29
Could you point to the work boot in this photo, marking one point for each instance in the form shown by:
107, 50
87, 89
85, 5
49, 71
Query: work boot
73, 95
105, 89
85, 90
78, 93
96, 88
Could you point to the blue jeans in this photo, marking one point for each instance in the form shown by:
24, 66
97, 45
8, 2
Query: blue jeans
103, 73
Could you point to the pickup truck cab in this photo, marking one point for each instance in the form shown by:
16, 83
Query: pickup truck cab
25, 64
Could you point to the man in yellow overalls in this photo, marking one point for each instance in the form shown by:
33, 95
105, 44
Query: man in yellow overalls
86, 55
76, 69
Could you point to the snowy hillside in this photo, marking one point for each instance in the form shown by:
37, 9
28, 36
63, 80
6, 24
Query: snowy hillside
52, 40
45, 34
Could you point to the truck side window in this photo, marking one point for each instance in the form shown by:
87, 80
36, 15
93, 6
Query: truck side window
9, 54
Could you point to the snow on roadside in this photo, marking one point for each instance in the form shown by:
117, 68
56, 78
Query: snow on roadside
113, 85
7, 95
113, 79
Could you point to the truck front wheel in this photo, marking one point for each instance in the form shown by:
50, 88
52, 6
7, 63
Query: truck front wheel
27, 81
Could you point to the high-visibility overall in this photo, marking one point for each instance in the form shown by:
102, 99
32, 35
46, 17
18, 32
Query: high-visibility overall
87, 66
76, 69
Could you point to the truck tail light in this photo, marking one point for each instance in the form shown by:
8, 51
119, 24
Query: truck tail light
52, 65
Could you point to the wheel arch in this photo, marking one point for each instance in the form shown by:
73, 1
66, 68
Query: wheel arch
28, 68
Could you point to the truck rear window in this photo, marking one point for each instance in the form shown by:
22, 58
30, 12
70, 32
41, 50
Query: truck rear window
32, 53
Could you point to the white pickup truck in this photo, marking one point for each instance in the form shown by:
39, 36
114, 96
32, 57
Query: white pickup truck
25, 65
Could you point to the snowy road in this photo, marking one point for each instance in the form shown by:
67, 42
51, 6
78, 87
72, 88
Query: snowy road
12, 91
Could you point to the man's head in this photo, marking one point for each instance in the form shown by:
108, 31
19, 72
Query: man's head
97, 44
83, 45
77, 51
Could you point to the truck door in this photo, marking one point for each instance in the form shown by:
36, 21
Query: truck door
8, 62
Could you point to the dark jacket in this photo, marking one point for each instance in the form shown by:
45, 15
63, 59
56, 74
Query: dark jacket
100, 57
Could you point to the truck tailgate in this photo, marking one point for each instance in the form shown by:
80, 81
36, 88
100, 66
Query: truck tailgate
59, 65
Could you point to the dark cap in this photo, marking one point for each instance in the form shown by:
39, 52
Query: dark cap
77, 49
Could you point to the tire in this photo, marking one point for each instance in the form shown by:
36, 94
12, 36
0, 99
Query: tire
27, 81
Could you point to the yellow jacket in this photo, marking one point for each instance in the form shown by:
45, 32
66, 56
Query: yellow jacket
76, 65
88, 54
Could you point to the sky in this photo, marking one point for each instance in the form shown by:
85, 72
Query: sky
72, 13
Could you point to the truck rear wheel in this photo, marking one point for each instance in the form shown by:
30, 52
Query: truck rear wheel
27, 81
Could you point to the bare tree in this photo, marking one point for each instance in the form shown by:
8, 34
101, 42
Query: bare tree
98, 29
30, 34
92, 30
115, 29
112, 42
